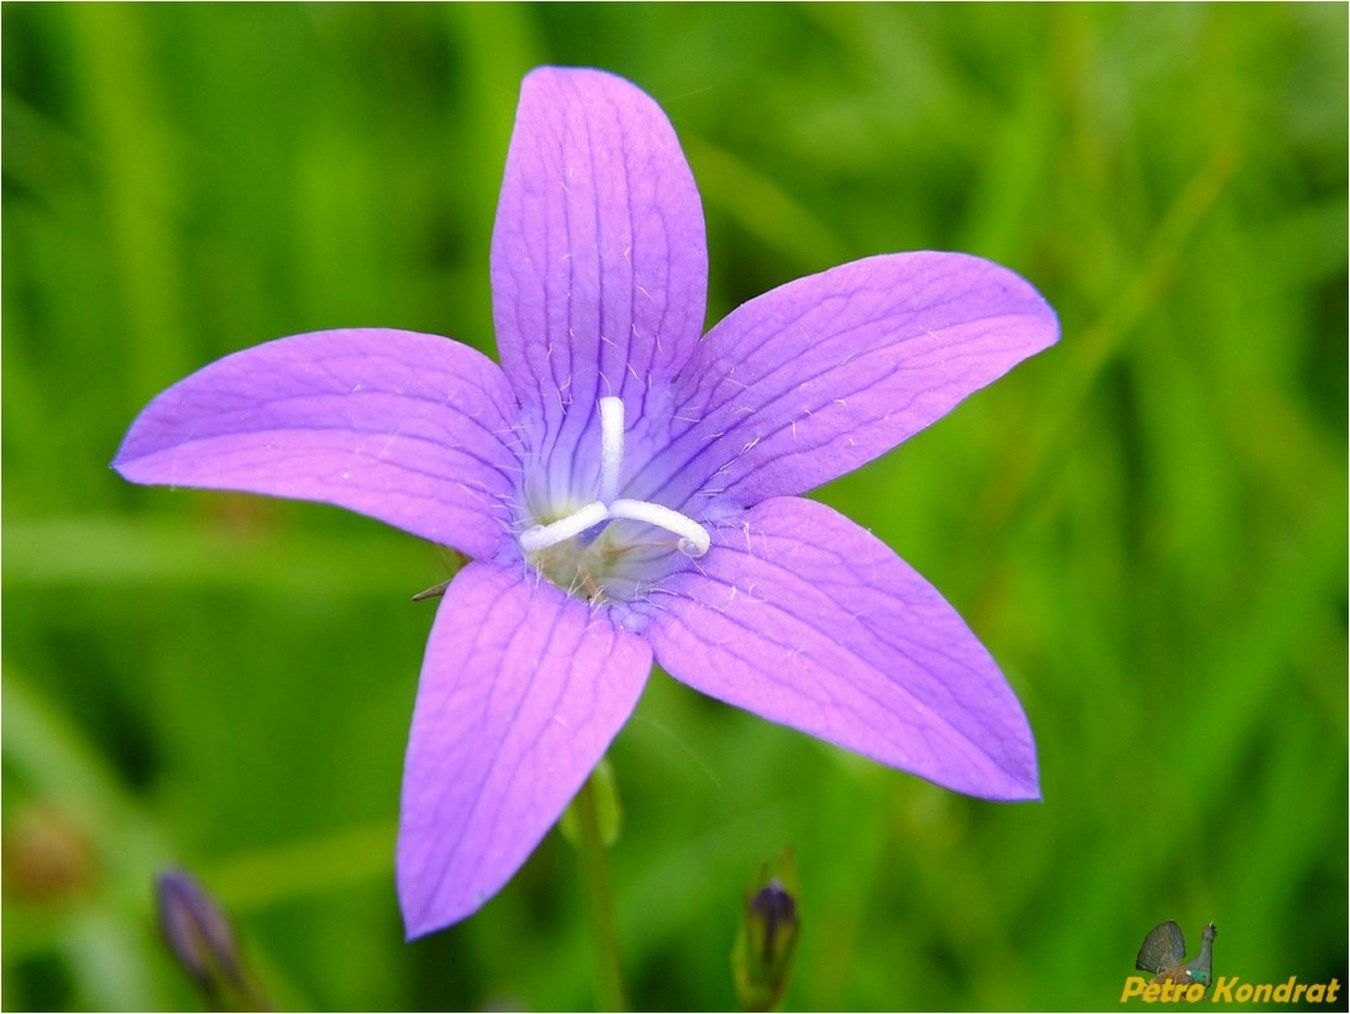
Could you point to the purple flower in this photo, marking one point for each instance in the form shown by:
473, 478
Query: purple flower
629, 490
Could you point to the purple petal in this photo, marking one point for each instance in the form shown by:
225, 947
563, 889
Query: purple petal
801, 616
413, 429
599, 264
522, 690
811, 380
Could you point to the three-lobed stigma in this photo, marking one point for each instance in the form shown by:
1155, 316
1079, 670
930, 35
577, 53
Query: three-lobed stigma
555, 549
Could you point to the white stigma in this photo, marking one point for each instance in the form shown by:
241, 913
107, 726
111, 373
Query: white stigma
611, 446
694, 538
543, 536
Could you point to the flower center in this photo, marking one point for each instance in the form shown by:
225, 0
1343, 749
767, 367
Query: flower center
610, 563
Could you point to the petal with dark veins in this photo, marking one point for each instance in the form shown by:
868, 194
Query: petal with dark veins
522, 690
802, 617
412, 429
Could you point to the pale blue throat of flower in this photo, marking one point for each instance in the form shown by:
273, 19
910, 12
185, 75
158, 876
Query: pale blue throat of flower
609, 563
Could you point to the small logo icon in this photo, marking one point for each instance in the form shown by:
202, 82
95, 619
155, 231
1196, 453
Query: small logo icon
1176, 980
1164, 954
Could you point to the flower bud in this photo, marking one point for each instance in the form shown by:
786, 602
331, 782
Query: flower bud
203, 941
766, 946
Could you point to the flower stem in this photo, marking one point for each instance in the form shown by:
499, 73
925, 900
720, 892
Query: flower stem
599, 899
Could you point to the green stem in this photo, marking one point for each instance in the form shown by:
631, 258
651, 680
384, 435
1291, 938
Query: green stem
599, 900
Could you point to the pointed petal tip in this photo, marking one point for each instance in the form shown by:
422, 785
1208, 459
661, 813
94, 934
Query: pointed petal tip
1011, 282
422, 916
1017, 777
121, 459
553, 71
993, 786
417, 928
550, 77
1031, 789
1024, 794
1017, 789
121, 465
989, 792
125, 466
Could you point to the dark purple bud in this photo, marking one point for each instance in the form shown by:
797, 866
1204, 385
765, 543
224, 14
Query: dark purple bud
775, 910
766, 946
204, 942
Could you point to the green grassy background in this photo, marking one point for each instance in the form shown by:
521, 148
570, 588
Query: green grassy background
1146, 525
